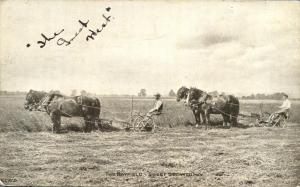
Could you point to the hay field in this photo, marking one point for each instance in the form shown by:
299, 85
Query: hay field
177, 156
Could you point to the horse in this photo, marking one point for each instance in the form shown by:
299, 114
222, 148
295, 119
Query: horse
183, 93
206, 104
58, 105
33, 98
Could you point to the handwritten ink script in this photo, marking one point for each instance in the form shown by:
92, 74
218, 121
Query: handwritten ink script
92, 33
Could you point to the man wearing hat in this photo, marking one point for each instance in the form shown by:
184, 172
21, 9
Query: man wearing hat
158, 106
285, 107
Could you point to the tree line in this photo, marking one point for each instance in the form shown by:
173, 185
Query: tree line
143, 93
274, 96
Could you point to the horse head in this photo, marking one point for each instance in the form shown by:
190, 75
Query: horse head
182, 93
33, 98
28, 100
197, 96
42, 105
47, 99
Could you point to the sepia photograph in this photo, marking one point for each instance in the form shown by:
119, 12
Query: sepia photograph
149, 93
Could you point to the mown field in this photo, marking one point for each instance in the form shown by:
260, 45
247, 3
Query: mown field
179, 156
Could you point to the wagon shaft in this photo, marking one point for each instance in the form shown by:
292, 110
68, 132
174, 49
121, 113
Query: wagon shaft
106, 125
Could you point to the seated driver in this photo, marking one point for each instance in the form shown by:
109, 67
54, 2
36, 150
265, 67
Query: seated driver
158, 106
285, 107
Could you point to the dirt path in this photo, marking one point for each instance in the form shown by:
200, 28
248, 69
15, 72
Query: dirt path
179, 156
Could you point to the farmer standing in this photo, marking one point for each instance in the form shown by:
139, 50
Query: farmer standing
158, 106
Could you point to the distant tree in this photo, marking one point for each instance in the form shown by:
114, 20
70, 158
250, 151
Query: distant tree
74, 92
3, 92
172, 93
54, 92
275, 96
83, 92
142, 93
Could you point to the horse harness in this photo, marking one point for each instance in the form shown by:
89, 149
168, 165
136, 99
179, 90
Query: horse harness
77, 99
196, 104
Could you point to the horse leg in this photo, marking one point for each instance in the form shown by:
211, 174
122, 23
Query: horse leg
203, 117
56, 121
95, 122
196, 117
229, 121
234, 120
224, 120
208, 117
88, 120
198, 114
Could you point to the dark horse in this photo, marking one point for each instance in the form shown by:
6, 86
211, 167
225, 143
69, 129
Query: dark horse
33, 99
206, 104
57, 105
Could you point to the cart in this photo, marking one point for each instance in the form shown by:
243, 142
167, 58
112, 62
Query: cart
272, 120
143, 122
266, 119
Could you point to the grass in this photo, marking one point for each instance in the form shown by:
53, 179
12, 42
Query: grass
179, 156
13, 116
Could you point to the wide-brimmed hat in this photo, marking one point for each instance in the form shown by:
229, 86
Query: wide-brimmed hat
157, 95
285, 95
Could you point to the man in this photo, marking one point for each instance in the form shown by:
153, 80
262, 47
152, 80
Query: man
158, 106
285, 107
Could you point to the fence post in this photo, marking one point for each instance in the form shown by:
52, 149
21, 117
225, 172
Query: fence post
131, 109
261, 108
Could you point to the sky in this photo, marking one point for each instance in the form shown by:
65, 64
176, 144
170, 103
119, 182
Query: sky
232, 47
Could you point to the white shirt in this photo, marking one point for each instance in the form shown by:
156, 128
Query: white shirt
158, 104
286, 104
187, 99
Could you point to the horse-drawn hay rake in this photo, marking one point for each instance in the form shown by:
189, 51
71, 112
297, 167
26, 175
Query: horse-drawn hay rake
140, 122
272, 120
266, 119
137, 122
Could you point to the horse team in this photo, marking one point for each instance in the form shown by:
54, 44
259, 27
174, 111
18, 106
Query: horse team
57, 105
204, 104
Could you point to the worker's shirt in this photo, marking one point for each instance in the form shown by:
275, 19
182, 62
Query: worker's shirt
187, 100
286, 104
158, 105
